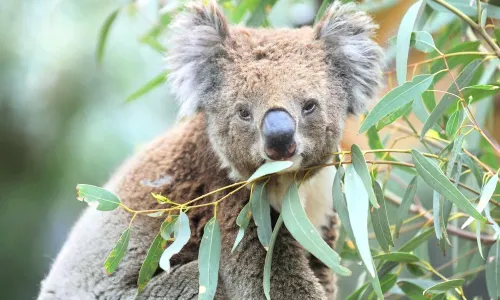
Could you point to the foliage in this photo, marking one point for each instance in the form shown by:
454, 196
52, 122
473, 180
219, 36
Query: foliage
459, 164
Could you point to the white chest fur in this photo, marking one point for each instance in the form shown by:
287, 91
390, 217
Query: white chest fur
315, 195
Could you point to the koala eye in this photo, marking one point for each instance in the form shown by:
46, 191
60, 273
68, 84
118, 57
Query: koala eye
309, 107
244, 114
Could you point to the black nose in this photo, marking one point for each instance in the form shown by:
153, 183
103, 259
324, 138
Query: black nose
278, 131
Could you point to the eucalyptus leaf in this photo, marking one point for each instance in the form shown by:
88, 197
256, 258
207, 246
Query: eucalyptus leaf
182, 234
359, 163
116, 255
261, 212
448, 99
397, 98
99, 198
269, 258
421, 40
405, 204
208, 259
270, 168
492, 271
357, 207
393, 116
486, 194
155, 82
103, 35
380, 220
339, 202
404, 39
454, 122
167, 227
305, 233
242, 221
445, 286
436, 179
150, 263
412, 290
397, 257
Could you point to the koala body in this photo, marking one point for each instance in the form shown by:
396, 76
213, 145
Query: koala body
251, 95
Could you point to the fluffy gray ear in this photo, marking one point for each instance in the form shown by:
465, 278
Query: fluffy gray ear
352, 54
196, 41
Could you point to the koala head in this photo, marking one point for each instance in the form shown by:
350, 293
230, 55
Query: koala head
273, 94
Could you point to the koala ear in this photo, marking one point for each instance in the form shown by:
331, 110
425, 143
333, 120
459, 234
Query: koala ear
196, 41
352, 54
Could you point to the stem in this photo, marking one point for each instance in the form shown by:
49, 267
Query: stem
472, 24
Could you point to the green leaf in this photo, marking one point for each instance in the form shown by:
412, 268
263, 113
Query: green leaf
305, 233
393, 116
397, 257
439, 297
358, 293
445, 286
103, 35
116, 255
397, 98
243, 7
492, 271
359, 163
270, 168
421, 40
261, 212
374, 141
454, 122
380, 220
435, 178
269, 258
472, 165
415, 270
150, 263
411, 245
405, 204
167, 227
404, 39
412, 290
339, 202
462, 80
157, 81
437, 205
357, 207
259, 15
482, 87
182, 233
99, 198
478, 239
208, 259
416, 241
386, 283
486, 194
242, 221
322, 10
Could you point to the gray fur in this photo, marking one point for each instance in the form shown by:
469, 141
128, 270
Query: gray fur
354, 56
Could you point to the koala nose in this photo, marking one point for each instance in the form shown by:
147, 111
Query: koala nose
278, 131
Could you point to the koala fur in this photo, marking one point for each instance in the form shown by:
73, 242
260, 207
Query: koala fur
217, 71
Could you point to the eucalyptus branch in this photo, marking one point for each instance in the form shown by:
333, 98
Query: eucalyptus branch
472, 24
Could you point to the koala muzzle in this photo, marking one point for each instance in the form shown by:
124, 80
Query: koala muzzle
278, 132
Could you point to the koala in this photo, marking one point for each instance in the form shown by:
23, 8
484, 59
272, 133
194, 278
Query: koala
247, 96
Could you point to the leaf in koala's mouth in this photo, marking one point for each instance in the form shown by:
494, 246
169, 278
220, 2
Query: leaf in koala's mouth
270, 168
